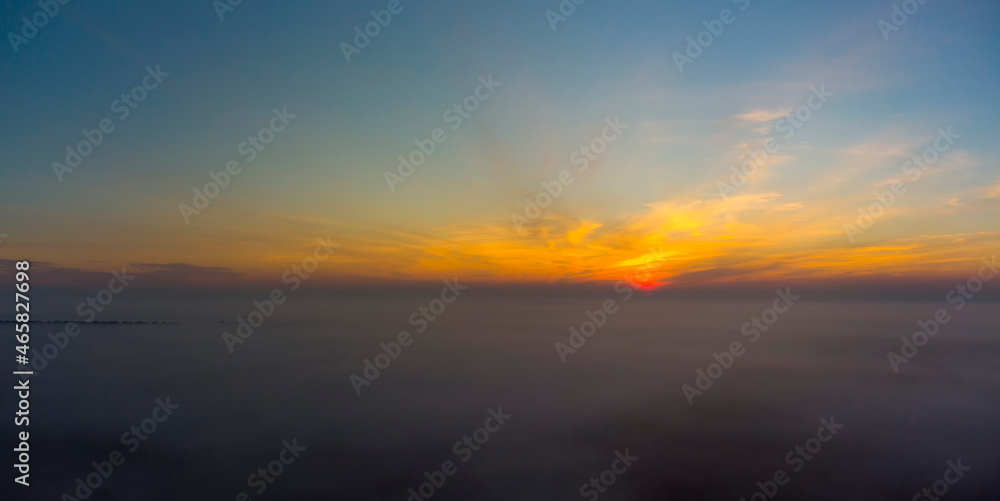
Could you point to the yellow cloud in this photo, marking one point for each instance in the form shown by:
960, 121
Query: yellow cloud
576, 236
757, 116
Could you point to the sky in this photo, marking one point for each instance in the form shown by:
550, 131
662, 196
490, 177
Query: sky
661, 195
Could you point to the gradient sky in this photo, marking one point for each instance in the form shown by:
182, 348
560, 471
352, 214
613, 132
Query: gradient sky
650, 198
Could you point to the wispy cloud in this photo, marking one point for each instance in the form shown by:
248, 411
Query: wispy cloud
757, 116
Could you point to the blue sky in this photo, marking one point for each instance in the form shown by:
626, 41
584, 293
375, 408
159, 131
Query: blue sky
607, 59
